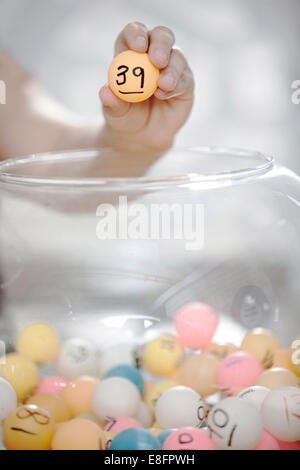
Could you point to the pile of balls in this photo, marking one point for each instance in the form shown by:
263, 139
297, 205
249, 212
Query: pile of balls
202, 395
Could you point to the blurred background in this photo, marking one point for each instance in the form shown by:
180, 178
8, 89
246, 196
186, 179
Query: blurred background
245, 56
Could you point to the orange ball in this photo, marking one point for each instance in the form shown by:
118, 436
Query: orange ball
78, 434
78, 394
132, 77
54, 404
261, 344
29, 427
221, 350
282, 358
200, 372
278, 377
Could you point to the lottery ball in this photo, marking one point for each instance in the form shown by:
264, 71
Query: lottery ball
120, 424
78, 434
38, 342
132, 77
114, 356
28, 428
115, 397
178, 407
295, 355
8, 399
163, 355
52, 384
78, 394
128, 372
188, 438
196, 324
235, 424
277, 377
21, 373
144, 415
283, 358
200, 372
267, 442
155, 390
77, 357
54, 404
255, 395
261, 344
238, 370
134, 439
281, 413
220, 350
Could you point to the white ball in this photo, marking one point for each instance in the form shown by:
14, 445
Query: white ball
281, 413
178, 407
8, 399
77, 357
115, 355
235, 424
115, 397
255, 395
144, 415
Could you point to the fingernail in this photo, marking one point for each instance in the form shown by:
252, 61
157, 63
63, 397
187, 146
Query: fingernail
141, 42
161, 55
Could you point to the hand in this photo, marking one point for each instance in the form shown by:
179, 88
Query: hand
150, 125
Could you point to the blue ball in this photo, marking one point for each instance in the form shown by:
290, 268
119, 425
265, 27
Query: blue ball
162, 436
127, 372
134, 439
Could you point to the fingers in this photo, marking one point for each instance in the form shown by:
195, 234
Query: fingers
161, 42
176, 79
112, 105
134, 36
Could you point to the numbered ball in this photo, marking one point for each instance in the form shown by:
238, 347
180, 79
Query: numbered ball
114, 356
144, 415
235, 424
261, 344
21, 373
154, 391
54, 404
163, 355
267, 442
52, 384
132, 77
134, 439
295, 355
78, 434
237, 371
221, 350
115, 397
200, 372
28, 428
128, 372
179, 407
38, 342
77, 357
188, 438
281, 413
8, 399
255, 395
196, 324
277, 377
78, 394
283, 358
120, 424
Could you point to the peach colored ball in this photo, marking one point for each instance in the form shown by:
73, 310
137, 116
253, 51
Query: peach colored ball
238, 370
278, 377
282, 358
120, 424
221, 350
261, 344
78, 434
78, 394
53, 384
196, 324
54, 404
267, 442
188, 438
200, 372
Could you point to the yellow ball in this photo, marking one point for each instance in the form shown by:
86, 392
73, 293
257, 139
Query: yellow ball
155, 431
132, 77
78, 434
28, 428
163, 355
153, 392
54, 404
78, 394
261, 344
38, 342
21, 373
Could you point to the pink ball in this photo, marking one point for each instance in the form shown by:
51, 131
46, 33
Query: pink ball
289, 445
196, 324
52, 384
267, 442
188, 439
238, 370
120, 424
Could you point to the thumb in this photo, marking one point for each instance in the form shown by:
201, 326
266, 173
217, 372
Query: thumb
113, 107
